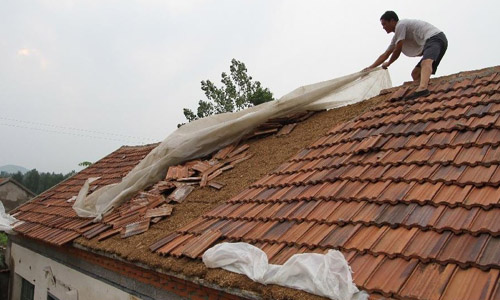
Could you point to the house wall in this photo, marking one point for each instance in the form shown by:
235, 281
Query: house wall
62, 282
136, 281
12, 195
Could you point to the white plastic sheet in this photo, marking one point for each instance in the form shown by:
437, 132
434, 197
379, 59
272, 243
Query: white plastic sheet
326, 275
6, 220
206, 135
80, 205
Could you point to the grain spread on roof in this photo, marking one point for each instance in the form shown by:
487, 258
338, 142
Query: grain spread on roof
408, 191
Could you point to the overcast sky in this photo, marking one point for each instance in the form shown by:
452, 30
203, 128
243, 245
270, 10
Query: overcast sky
78, 79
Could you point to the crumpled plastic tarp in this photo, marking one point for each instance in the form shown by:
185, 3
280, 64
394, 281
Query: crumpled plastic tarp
6, 220
326, 275
202, 137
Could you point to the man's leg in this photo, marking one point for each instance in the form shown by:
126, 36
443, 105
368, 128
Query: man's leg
425, 74
415, 74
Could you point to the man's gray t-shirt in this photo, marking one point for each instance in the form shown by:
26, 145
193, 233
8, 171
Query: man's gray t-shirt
414, 33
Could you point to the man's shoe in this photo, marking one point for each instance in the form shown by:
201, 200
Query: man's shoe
417, 94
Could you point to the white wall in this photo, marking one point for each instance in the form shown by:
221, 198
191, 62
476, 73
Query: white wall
61, 281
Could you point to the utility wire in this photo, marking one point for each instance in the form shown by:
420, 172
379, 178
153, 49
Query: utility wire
128, 137
69, 133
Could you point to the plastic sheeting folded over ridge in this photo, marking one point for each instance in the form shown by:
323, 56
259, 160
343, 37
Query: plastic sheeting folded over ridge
326, 275
204, 136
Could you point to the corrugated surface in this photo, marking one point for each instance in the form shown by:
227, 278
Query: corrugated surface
409, 191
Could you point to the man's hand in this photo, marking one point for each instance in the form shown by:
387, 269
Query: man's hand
367, 69
385, 65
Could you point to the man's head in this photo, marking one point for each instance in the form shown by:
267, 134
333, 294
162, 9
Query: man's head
389, 20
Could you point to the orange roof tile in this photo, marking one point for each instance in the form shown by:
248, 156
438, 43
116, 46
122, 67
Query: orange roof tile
408, 191
50, 216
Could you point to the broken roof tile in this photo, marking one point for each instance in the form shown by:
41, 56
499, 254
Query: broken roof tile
162, 211
135, 228
223, 153
180, 193
286, 129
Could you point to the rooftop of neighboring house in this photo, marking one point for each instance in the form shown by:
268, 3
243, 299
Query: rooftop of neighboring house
4, 180
407, 190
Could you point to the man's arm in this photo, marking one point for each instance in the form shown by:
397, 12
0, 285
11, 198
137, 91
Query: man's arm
384, 56
395, 54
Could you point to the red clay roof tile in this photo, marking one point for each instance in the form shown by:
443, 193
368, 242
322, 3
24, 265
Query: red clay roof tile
454, 251
339, 236
486, 221
426, 245
490, 256
390, 276
456, 219
363, 266
427, 281
394, 240
196, 246
471, 284
451, 194
365, 237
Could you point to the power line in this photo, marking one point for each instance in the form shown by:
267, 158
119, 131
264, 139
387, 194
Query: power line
128, 137
68, 133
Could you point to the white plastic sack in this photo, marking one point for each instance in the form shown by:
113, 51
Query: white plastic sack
6, 220
326, 275
202, 137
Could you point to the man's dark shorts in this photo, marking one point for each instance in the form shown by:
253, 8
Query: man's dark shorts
434, 48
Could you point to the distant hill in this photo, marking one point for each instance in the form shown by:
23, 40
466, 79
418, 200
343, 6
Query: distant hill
13, 169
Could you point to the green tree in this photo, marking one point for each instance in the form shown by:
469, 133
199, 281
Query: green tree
238, 92
18, 177
31, 180
38, 182
85, 164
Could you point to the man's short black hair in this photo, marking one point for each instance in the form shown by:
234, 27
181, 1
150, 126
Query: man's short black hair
389, 15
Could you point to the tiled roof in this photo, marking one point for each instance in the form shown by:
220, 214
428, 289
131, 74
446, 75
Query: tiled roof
3, 179
408, 191
50, 216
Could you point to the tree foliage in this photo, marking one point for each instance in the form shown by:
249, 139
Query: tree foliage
238, 92
37, 182
85, 164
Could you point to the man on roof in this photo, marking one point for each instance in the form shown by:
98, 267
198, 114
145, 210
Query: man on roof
413, 38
